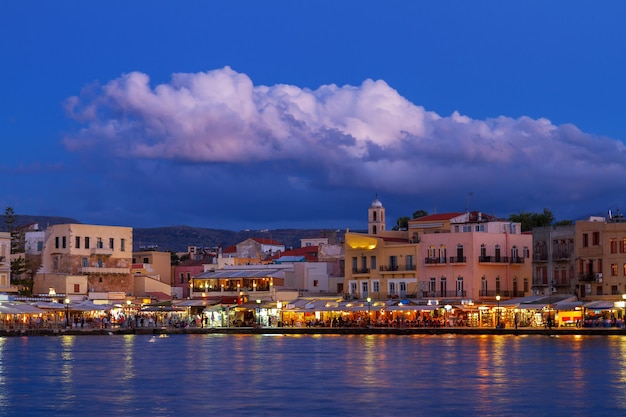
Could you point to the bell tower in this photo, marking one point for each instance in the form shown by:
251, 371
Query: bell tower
376, 217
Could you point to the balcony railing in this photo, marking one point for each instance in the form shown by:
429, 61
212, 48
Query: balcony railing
434, 261
538, 257
505, 293
360, 270
458, 259
102, 251
98, 270
517, 259
443, 294
385, 268
494, 259
592, 276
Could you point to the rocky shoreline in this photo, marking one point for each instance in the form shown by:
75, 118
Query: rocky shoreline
285, 331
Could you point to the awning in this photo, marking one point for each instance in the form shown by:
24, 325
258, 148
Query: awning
159, 296
198, 303
239, 273
600, 305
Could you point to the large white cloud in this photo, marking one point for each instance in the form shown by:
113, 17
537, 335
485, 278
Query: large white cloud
368, 135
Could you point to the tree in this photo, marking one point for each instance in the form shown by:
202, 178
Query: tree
564, 223
402, 223
531, 220
419, 213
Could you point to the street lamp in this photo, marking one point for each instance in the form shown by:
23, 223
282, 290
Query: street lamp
498, 311
369, 310
258, 311
67, 312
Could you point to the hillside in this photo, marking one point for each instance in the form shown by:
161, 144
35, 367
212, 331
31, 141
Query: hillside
177, 238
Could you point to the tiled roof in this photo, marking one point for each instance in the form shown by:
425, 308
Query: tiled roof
439, 216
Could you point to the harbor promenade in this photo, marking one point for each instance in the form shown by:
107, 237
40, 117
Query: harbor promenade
560, 331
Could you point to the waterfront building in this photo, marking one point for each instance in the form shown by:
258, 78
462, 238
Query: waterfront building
471, 256
449, 257
5, 263
86, 261
381, 263
600, 250
554, 260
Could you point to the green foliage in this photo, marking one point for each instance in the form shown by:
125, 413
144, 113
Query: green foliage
564, 223
419, 213
531, 220
402, 223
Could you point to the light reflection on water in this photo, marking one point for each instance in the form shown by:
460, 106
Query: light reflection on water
312, 375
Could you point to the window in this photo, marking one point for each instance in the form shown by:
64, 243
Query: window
467, 228
182, 278
55, 263
56, 242
87, 243
432, 285
525, 284
459, 287
459, 252
613, 245
526, 252
99, 279
409, 262
622, 246
363, 263
84, 262
99, 243
122, 244
188, 276
614, 290
614, 270
402, 286
376, 286
353, 288
599, 290
497, 253
596, 238
444, 286
100, 263
111, 243
76, 288
365, 288
315, 282
392, 288
393, 263
483, 251
64, 242
483, 284
146, 260
373, 263
40, 246
497, 285
585, 240
77, 244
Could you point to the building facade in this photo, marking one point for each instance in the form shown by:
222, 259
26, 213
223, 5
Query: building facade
554, 260
80, 259
450, 256
600, 249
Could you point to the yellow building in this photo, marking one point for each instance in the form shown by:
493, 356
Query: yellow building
380, 264
600, 247
81, 260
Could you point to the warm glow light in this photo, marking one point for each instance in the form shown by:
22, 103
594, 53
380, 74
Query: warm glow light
361, 242
497, 297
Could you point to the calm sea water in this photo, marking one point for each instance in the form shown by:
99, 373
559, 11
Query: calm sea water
209, 375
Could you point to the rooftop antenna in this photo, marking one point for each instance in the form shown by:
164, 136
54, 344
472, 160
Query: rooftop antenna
467, 201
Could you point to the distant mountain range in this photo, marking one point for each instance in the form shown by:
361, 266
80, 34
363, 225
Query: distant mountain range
178, 238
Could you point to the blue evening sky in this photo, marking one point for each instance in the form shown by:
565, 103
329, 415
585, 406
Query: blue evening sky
280, 114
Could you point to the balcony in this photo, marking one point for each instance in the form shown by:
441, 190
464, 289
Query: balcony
393, 268
561, 256
504, 294
590, 277
517, 259
89, 270
458, 259
540, 257
434, 261
360, 270
102, 251
493, 259
444, 294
